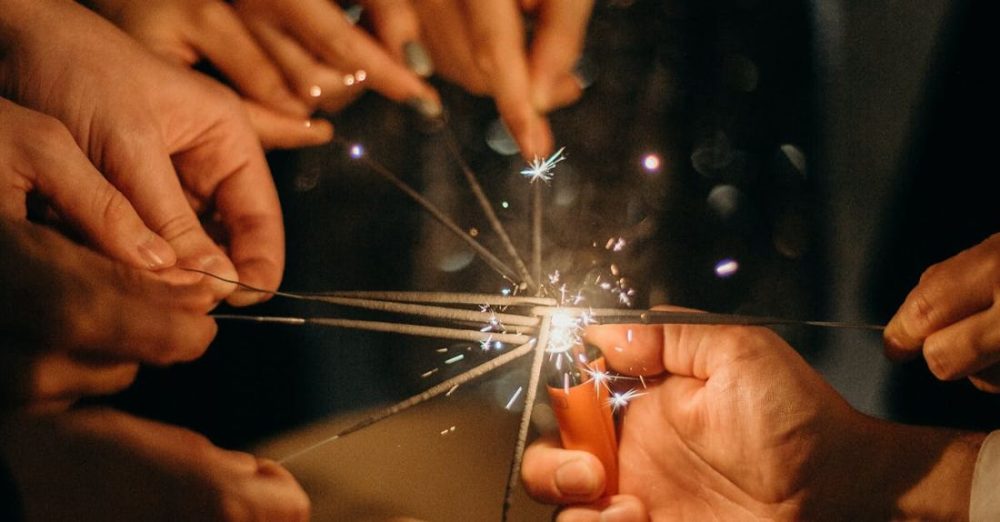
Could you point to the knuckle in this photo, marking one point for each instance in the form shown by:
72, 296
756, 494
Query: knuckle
923, 314
112, 206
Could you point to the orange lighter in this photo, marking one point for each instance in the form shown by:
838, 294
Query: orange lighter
586, 422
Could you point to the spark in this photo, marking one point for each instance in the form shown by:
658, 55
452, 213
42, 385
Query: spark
455, 359
621, 400
357, 151
513, 398
451, 391
600, 378
484, 345
447, 431
615, 244
428, 373
540, 169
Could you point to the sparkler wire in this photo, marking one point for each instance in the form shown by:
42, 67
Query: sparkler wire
513, 476
487, 207
450, 298
622, 316
444, 387
485, 254
381, 326
536, 229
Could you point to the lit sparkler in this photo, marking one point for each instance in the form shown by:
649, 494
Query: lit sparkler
541, 169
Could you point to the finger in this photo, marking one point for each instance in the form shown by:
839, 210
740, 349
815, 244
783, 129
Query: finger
687, 350
947, 292
84, 198
619, 508
555, 49
398, 27
54, 166
61, 376
313, 81
560, 476
226, 167
446, 34
140, 166
276, 495
966, 347
277, 131
326, 33
225, 41
987, 380
135, 316
497, 34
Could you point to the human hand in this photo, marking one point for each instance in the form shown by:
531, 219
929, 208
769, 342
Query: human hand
738, 426
189, 31
172, 142
74, 323
39, 157
323, 55
952, 317
481, 46
102, 465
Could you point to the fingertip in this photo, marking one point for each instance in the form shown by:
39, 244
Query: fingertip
580, 477
259, 273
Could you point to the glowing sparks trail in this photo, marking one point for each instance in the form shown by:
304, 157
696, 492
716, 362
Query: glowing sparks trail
540, 169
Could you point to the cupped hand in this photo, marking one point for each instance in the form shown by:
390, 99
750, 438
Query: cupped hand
952, 318
735, 425
75, 323
175, 144
329, 61
481, 46
191, 31
101, 465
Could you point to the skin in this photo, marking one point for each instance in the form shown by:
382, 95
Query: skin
737, 426
76, 323
189, 31
316, 47
950, 318
176, 145
39, 158
481, 46
128, 468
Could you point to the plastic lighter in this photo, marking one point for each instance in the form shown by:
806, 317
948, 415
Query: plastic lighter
586, 422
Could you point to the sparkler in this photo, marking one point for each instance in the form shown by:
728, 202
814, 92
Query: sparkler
544, 326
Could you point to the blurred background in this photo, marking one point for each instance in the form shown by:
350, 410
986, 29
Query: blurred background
803, 159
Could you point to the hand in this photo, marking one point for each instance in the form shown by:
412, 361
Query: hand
739, 427
953, 318
166, 138
321, 53
102, 465
39, 157
481, 46
74, 323
189, 31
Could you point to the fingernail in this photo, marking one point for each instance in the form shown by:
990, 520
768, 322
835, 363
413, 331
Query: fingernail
155, 252
426, 107
616, 513
576, 478
418, 59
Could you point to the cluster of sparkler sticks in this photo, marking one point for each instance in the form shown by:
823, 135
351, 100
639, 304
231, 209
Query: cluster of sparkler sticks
544, 322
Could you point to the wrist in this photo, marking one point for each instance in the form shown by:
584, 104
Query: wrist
922, 473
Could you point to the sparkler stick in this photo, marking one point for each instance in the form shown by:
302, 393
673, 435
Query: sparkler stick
450, 298
529, 404
619, 316
491, 215
381, 305
444, 387
485, 254
536, 229
380, 326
